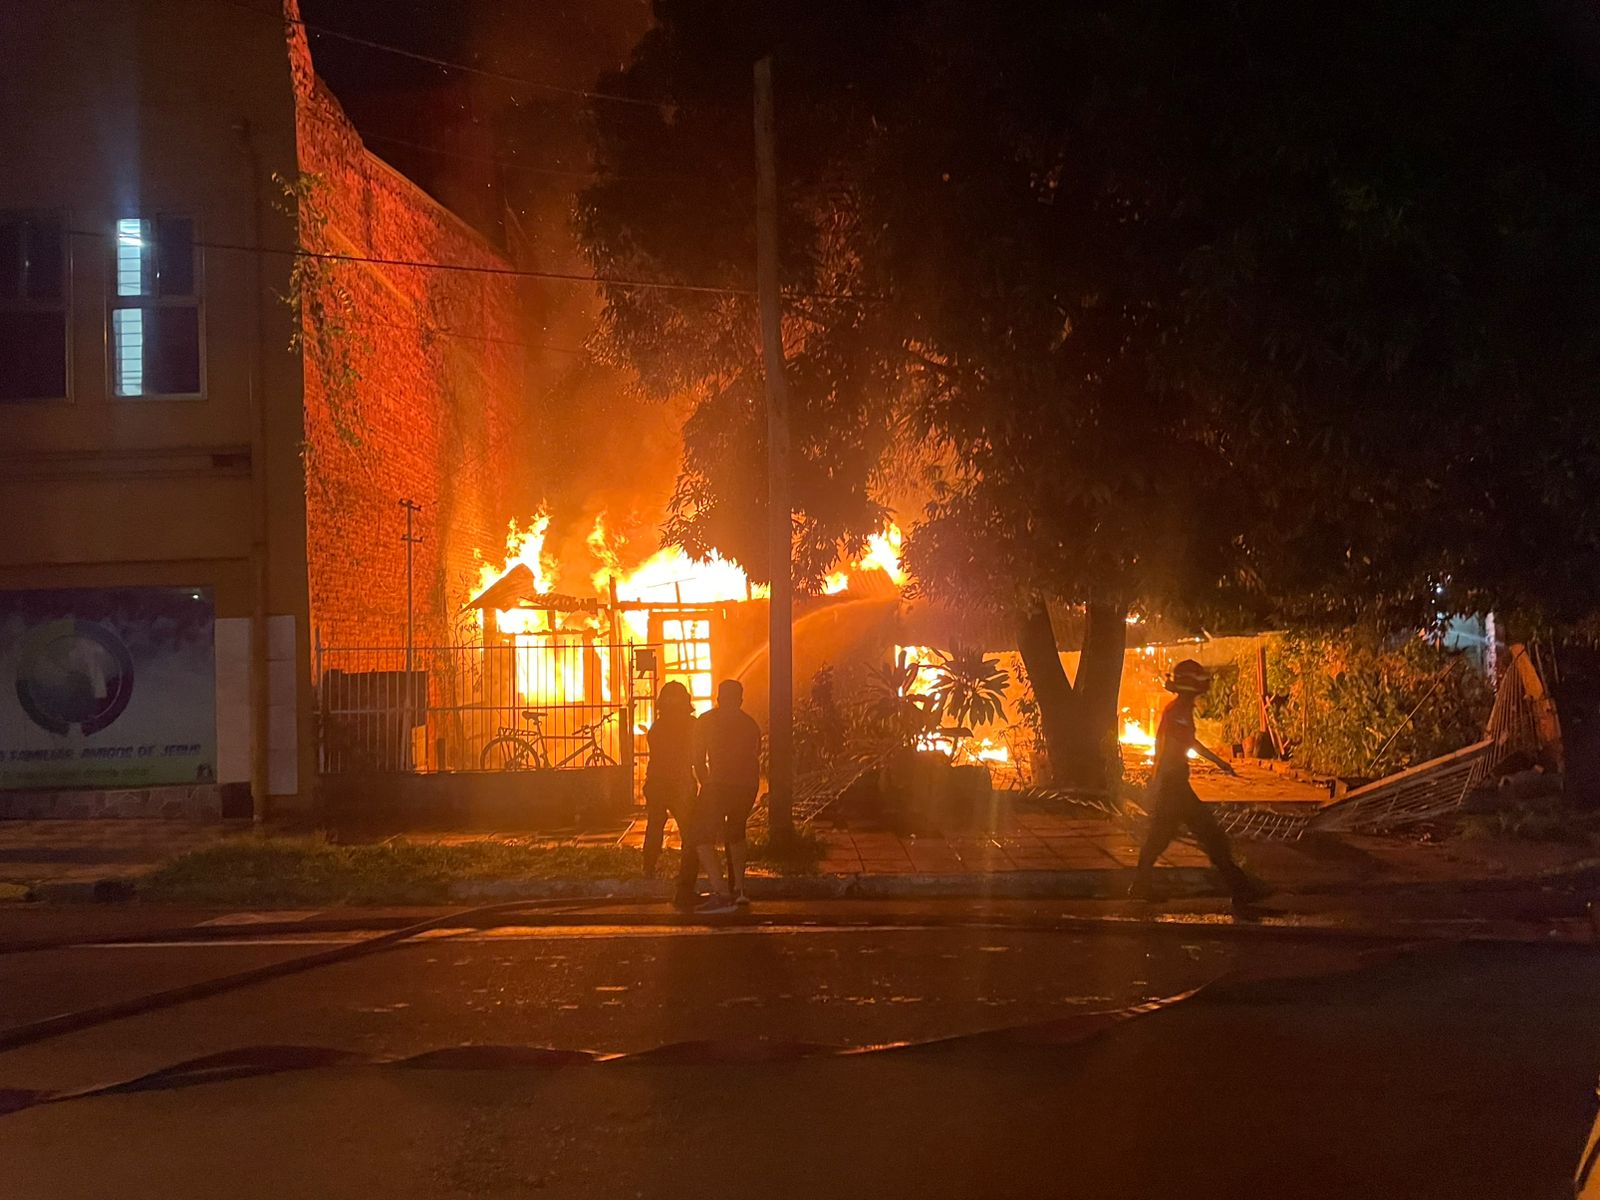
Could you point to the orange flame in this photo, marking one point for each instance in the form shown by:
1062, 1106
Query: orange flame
882, 553
1135, 734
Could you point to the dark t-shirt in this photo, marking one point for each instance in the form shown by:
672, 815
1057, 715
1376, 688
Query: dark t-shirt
672, 741
728, 749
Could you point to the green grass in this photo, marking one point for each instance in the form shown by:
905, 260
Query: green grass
314, 871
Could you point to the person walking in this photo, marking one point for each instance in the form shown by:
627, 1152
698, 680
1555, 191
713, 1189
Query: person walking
1173, 803
728, 762
670, 787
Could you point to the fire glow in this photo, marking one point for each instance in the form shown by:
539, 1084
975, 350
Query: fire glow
559, 654
881, 554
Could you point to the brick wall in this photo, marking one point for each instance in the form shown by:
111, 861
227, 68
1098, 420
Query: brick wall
413, 387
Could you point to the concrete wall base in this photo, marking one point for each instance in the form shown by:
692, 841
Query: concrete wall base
196, 802
488, 801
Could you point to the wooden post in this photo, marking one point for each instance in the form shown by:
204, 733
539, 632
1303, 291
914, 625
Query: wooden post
1546, 723
780, 543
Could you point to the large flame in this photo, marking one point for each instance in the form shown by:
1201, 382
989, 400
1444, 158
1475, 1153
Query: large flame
667, 577
881, 554
556, 659
552, 663
524, 546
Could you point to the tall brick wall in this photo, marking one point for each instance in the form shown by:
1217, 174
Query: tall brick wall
413, 387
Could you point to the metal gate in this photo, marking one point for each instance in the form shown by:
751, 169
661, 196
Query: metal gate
559, 702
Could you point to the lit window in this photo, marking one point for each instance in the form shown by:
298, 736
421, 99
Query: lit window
33, 307
155, 308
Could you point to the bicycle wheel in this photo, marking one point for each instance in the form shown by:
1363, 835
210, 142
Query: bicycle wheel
507, 753
599, 758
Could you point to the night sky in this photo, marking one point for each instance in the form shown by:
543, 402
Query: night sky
472, 141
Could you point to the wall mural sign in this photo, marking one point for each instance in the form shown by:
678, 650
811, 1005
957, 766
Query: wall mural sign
107, 688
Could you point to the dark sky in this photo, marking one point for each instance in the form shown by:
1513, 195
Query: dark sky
475, 142
484, 146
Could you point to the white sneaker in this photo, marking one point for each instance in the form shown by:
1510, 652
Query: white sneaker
742, 900
716, 906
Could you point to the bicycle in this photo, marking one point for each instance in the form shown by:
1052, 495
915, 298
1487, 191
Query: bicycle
516, 749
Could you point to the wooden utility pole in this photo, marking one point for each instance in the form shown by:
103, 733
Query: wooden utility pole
411, 539
780, 526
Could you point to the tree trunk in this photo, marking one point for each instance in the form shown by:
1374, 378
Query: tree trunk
1087, 758
1036, 643
1079, 717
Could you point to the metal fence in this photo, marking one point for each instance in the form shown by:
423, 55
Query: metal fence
557, 702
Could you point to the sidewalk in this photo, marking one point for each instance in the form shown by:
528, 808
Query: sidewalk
1028, 850
81, 854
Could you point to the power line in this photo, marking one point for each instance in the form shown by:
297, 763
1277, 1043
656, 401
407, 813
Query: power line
467, 268
511, 272
514, 164
447, 64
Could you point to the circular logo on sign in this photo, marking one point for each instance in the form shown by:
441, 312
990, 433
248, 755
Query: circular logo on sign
74, 673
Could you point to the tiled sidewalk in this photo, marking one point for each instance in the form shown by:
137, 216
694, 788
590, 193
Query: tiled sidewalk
1031, 842
1026, 841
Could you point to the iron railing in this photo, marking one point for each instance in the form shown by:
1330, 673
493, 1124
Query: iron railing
544, 702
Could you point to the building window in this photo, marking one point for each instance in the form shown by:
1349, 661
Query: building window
33, 307
155, 309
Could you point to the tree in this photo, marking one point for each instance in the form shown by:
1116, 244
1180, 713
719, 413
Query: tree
1131, 291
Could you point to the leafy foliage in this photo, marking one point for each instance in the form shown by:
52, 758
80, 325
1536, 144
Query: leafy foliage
968, 687
1236, 310
1335, 700
1247, 314
897, 714
325, 330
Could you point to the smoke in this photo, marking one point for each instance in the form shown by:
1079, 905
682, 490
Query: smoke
510, 160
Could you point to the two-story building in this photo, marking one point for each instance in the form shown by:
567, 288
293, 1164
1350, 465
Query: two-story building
232, 342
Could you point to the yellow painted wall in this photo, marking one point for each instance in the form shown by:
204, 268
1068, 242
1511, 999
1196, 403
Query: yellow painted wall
123, 108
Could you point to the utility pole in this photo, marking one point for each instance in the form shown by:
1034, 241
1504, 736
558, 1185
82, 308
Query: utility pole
780, 522
411, 539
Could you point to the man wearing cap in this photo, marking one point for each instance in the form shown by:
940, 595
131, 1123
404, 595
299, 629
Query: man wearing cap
1173, 803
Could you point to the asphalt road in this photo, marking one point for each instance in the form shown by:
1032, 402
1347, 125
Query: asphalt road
1315, 1068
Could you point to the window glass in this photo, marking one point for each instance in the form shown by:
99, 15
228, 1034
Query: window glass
33, 355
155, 313
175, 256
33, 311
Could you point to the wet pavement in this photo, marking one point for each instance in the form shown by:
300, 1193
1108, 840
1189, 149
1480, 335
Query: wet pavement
1307, 1067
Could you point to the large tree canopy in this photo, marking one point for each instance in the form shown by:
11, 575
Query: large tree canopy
1221, 309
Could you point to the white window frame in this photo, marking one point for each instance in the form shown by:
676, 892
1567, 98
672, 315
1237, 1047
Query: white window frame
118, 303
62, 304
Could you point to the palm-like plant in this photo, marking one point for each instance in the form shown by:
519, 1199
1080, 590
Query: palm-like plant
969, 688
901, 714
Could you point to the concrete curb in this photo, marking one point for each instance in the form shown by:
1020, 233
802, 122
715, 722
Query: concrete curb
1177, 882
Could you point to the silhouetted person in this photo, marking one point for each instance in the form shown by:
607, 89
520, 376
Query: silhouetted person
670, 786
1173, 803
728, 761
